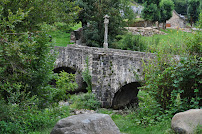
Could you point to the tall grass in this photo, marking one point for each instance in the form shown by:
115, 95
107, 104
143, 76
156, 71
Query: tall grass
174, 42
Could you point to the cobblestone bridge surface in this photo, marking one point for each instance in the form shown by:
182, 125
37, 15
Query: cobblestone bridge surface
115, 73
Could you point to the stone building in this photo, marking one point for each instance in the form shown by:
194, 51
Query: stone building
176, 21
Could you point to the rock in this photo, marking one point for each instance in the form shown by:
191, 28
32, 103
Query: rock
148, 31
62, 103
86, 124
73, 37
83, 111
186, 122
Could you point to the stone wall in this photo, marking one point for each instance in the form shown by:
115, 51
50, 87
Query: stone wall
110, 69
141, 24
148, 31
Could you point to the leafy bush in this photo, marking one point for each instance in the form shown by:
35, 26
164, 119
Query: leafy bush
64, 82
63, 27
85, 101
131, 42
172, 82
27, 117
194, 44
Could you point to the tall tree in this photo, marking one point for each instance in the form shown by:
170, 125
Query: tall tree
93, 12
40, 11
26, 60
166, 8
151, 10
181, 6
193, 10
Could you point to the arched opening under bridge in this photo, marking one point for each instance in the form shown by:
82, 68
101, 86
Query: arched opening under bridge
126, 95
78, 77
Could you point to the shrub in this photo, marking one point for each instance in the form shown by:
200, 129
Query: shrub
26, 117
64, 82
194, 44
169, 80
85, 101
26, 62
63, 27
131, 42
172, 83
149, 112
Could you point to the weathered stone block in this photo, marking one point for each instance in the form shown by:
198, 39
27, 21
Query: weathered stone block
186, 122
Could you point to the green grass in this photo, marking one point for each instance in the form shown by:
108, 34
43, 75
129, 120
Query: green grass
44, 131
62, 38
173, 42
126, 124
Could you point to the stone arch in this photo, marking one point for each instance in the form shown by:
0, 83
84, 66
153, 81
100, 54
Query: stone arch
78, 77
126, 95
66, 69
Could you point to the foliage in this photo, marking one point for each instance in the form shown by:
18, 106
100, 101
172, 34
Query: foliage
193, 10
198, 129
168, 81
194, 44
166, 8
199, 22
41, 11
87, 77
139, 1
181, 6
150, 12
158, 10
127, 121
20, 119
26, 61
26, 64
64, 82
148, 112
61, 33
173, 82
174, 42
131, 42
84, 101
93, 13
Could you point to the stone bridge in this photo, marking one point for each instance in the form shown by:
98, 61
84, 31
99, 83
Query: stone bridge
116, 74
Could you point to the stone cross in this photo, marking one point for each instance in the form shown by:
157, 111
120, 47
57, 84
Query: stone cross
106, 22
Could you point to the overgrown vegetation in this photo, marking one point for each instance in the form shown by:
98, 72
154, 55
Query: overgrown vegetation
84, 101
174, 81
26, 63
87, 77
27, 101
130, 42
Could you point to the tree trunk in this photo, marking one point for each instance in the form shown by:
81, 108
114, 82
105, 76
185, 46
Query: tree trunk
145, 23
158, 25
164, 25
191, 21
